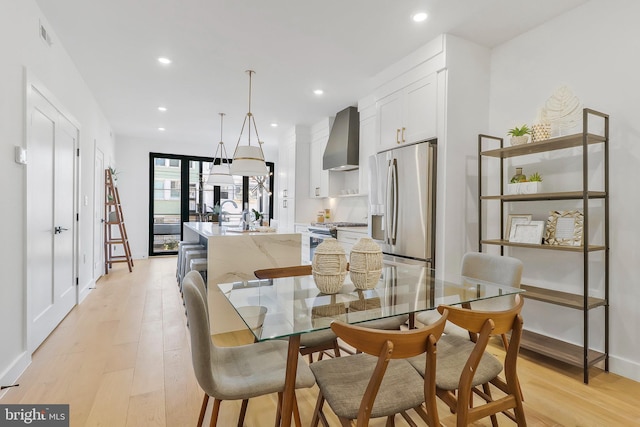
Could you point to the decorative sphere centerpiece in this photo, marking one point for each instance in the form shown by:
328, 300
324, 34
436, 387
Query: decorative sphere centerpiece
329, 266
365, 264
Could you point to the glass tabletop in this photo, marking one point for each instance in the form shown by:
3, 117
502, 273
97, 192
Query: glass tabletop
278, 308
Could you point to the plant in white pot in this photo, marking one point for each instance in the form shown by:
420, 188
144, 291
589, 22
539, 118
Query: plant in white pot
519, 135
520, 184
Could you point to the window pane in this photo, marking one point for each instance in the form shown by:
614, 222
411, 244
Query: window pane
166, 206
174, 163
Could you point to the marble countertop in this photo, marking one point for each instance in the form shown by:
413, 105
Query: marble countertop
209, 229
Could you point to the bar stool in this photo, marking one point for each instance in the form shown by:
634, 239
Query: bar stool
200, 265
182, 246
190, 254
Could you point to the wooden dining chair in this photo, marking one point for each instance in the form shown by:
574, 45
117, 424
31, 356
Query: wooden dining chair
312, 342
234, 373
379, 381
464, 365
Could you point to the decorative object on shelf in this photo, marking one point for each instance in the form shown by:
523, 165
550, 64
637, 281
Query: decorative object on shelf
564, 228
248, 160
541, 130
220, 174
365, 263
563, 111
516, 219
518, 177
329, 266
519, 183
530, 232
519, 135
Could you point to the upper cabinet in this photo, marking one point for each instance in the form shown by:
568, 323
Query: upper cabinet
408, 115
318, 177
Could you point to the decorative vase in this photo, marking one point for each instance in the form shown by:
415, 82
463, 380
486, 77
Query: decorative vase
518, 177
540, 132
329, 266
519, 140
365, 264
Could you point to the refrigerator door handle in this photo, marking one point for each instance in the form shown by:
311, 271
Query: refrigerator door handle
393, 231
388, 216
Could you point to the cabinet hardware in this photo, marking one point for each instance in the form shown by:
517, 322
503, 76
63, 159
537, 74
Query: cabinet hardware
403, 129
397, 136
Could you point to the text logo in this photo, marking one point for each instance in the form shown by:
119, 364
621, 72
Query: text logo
34, 415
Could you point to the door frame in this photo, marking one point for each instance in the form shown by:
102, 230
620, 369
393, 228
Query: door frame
32, 83
98, 206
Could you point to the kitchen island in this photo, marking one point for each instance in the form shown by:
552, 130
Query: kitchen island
233, 255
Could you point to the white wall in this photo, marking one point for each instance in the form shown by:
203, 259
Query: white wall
21, 47
133, 180
591, 50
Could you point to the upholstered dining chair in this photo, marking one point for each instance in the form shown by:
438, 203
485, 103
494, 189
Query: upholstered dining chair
234, 373
502, 270
379, 381
463, 365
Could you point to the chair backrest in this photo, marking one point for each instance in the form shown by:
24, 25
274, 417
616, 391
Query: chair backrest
486, 324
195, 297
503, 270
387, 345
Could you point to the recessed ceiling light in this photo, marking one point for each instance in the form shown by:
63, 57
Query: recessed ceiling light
274, 125
419, 17
163, 109
161, 129
318, 91
164, 61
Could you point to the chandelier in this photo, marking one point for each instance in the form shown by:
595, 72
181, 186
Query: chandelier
220, 174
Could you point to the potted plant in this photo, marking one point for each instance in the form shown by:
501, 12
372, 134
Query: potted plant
215, 213
519, 135
520, 184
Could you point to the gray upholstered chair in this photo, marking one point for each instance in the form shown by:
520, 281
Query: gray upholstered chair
233, 373
463, 365
379, 382
502, 270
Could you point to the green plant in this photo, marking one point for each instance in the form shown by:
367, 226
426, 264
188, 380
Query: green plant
257, 215
519, 131
216, 209
535, 177
516, 179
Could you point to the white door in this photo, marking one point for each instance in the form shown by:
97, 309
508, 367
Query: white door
98, 216
51, 217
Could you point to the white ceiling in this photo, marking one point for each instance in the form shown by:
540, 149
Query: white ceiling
295, 46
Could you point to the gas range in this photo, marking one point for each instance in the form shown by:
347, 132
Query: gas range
331, 228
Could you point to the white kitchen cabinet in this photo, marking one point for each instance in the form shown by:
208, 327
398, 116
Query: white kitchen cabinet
293, 200
408, 115
318, 177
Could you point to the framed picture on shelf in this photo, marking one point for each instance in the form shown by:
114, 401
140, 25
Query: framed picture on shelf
515, 219
530, 232
564, 228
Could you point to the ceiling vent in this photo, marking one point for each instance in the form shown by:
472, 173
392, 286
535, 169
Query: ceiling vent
44, 35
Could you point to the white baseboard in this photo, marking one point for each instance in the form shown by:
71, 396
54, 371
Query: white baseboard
84, 291
13, 372
625, 368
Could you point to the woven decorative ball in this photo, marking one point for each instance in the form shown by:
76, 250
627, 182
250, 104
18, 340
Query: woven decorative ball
365, 264
329, 266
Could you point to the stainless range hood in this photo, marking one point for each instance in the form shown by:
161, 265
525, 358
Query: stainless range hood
343, 147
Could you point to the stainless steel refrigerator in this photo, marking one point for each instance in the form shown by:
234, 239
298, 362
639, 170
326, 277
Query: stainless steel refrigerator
402, 198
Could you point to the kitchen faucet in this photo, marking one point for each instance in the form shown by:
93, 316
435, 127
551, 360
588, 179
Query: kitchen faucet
224, 214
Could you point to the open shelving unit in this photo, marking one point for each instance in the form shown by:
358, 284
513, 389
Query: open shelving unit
579, 355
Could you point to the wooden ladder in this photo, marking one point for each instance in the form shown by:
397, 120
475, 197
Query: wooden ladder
113, 217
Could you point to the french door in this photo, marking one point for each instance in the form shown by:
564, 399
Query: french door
178, 193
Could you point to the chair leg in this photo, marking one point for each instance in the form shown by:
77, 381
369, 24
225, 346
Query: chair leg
318, 410
336, 349
203, 409
279, 411
391, 421
215, 412
243, 412
487, 391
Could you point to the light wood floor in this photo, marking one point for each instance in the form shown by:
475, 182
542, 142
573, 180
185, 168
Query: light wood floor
121, 358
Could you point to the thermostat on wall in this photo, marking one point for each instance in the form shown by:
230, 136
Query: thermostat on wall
21, 155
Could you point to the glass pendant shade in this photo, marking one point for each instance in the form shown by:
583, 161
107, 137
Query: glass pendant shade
220, 174
248, 160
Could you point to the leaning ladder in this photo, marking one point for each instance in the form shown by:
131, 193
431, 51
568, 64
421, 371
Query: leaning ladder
114, 221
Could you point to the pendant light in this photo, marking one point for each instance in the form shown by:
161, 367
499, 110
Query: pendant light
220, 174
248, 160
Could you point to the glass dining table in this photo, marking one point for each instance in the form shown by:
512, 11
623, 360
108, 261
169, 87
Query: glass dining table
290, 306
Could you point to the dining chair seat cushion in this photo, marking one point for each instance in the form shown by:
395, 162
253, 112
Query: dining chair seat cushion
388, 323
343, 381
452, 355
316, 338
253, 370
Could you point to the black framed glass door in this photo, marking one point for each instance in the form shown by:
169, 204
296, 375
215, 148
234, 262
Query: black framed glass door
178, 192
